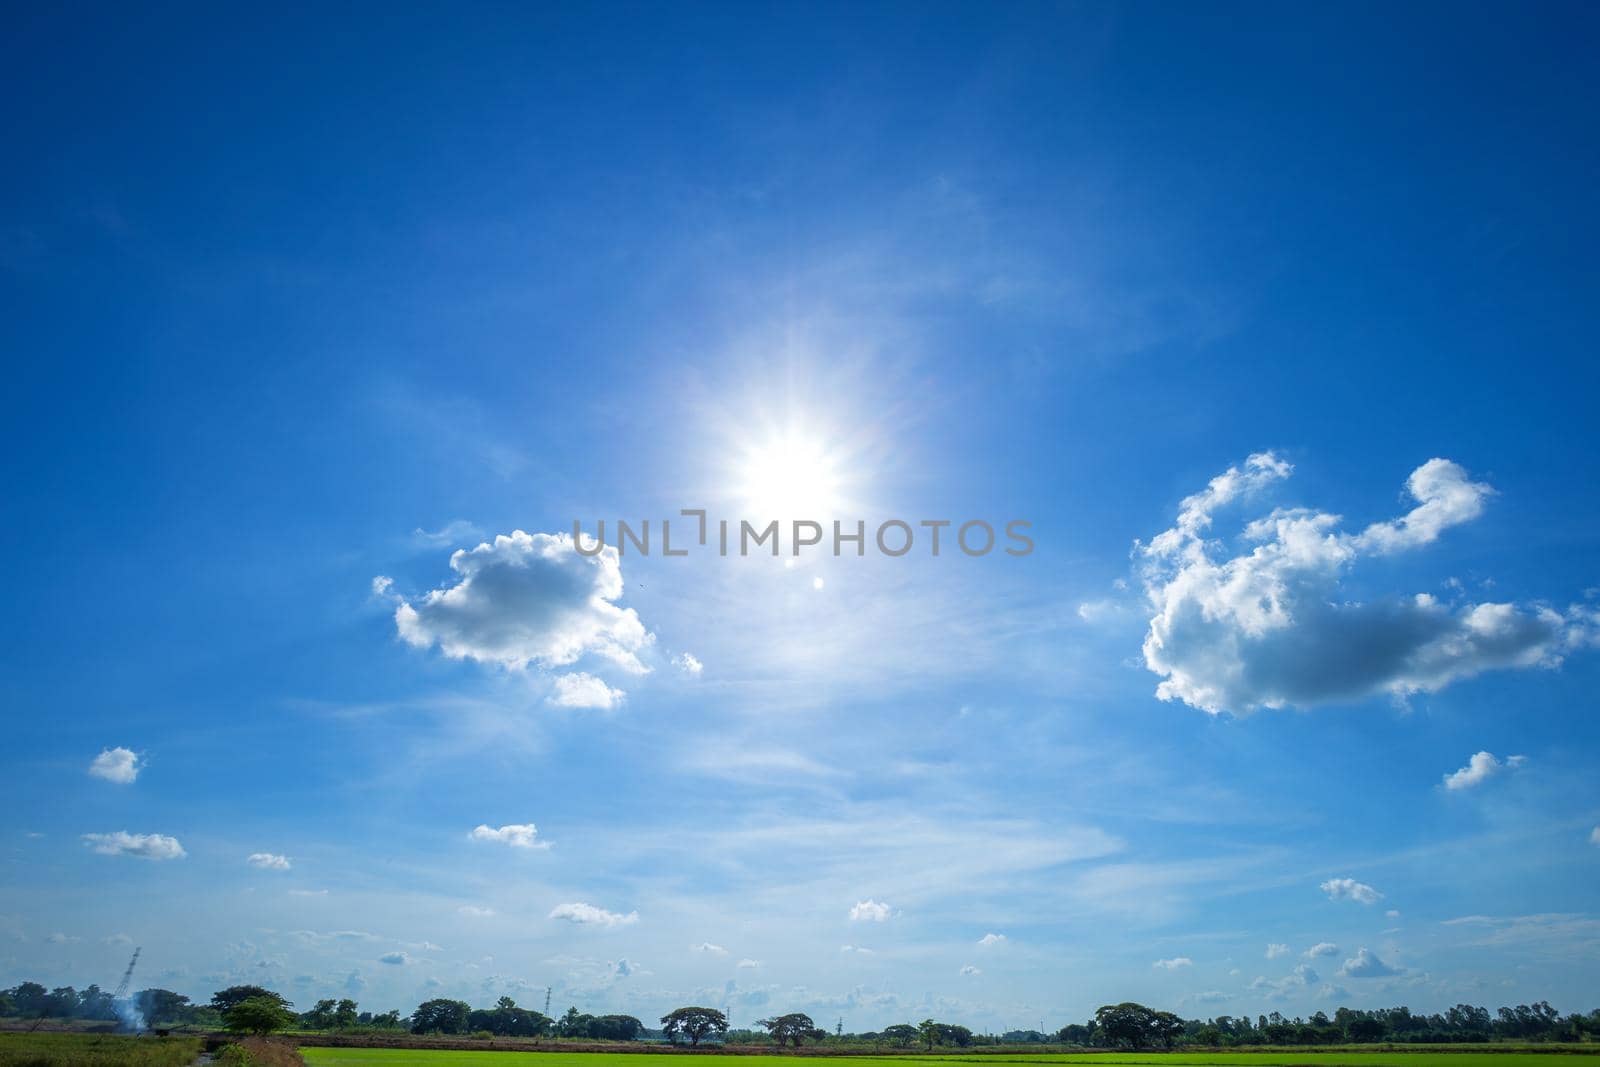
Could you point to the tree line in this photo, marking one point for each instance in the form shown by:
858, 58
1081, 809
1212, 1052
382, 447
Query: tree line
256, 1009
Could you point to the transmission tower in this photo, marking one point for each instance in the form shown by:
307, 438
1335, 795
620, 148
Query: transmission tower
547, 990
127, 977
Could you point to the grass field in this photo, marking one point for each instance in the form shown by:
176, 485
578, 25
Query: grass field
398, 1057
95, 1050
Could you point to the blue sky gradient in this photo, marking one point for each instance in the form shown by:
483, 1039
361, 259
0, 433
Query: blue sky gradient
292, 303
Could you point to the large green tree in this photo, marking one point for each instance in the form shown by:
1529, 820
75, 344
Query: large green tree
440, 1016
258, 1015
792, 1028
900, 1035
693, 1023
223, 999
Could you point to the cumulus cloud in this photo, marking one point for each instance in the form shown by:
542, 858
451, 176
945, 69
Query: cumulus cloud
143, 846
991, 939
1303, 977
1275, 950
516, 835
1366, 964
1174, 964
268, 861
580, 690
589, 915
970, 971
395, 959
120, 765
473, 911
1350, 889
871, 911
1322, 948
857, 949
1272, 624
688, 664
528, 599
1480, 768
709, 949
749, 964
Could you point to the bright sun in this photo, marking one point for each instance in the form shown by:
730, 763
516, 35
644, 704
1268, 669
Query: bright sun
790, 477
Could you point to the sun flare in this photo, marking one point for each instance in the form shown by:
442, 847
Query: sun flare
790, 477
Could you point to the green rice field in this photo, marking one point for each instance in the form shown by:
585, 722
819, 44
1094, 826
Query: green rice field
397, 1057
95, 1050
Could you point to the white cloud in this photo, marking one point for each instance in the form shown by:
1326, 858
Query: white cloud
1366, 964
1594, 836
453, 532
688, 664
144, 846
1275, 950
62, 939
1480, 768
473, 911
516, 835
120, 765
857, 949
991, 939
268, 861
749, 964
580, 690
872, 911
708, 948
1174, 964
395, 959
381, 585
528, 599
117, 939
1322, 948
1350, 889
1392, 913
308, 892
970, 971
589, 915
1303, 977
1273, 625
1209, 996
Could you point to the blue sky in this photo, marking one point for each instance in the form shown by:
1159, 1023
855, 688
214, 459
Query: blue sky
295, 303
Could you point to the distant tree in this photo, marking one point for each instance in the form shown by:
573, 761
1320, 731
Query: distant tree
693, 1023
930, 1032
30, 999
1126, 1023
320, 1017
900, 1035
345, 1015
1364, 1029
389, 1020
574, 1024
161, 1006
1165, 1027
440, 1016
258, 1015
224, 999
61, 1003
792, 1028
96, 1003
615, 1028
1074, 1034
